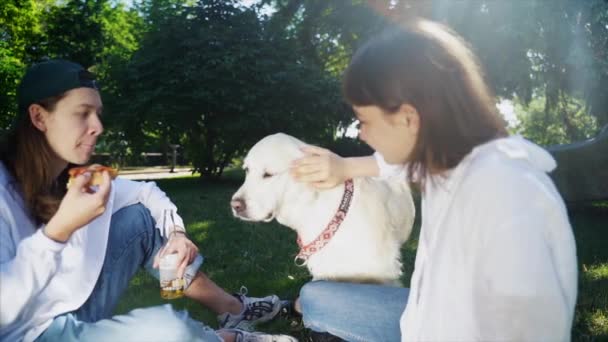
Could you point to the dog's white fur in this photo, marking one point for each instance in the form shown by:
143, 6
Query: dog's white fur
366, 248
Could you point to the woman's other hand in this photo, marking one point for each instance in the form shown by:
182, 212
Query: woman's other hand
186, 251
78, 207
320, 167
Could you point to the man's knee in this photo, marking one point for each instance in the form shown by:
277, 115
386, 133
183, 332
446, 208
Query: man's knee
130, 227
133, 220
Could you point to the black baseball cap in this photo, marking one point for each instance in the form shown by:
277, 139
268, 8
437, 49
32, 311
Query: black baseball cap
51, 78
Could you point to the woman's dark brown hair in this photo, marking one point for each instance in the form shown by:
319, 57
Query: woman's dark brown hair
426, 65
27, 154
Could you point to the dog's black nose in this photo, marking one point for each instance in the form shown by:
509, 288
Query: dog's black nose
238, 205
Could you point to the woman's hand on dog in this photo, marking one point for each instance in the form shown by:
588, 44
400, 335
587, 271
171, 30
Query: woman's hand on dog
320, 167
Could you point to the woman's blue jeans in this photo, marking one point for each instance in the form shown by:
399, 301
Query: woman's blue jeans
132, 243
354, 312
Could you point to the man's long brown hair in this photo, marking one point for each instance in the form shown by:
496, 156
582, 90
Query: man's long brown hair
426, 65
27, 155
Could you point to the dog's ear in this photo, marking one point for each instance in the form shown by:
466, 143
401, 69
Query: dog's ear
295, 148
290, 146
274, 153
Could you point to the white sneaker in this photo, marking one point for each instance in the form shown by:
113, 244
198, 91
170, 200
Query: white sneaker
256, 310
246, 336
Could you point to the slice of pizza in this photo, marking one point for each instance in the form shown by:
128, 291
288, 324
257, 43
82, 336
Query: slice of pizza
96, 173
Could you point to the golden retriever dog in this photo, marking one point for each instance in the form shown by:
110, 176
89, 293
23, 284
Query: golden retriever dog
349, 233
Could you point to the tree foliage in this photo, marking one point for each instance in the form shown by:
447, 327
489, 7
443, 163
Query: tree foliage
214, 76
19, 26
93, 33
215, 80
74, 31
569, 122
554, 50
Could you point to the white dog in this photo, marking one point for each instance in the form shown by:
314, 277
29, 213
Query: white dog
349, 233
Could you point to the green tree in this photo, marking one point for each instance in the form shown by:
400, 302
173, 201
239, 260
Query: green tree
75, 31
93, 33
214, 80
555, 49
19, 26
568, 123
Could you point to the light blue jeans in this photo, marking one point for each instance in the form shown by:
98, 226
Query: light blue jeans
132, 243
354, 312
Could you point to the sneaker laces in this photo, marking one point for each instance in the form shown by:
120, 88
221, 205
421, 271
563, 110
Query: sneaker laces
254, 311
245, 336
243, 291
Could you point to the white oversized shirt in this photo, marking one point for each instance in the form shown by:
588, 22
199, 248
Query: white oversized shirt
40, 278
496, 258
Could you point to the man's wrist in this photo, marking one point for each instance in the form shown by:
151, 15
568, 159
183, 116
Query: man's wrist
55, 234
178, 232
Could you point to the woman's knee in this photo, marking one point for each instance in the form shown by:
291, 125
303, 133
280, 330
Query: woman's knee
314, 289
314, 292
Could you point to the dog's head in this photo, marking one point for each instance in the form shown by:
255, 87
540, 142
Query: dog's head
267, 177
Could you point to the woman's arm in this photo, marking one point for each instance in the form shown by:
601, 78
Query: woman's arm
386, 170
525, 257
521, 293
324, 169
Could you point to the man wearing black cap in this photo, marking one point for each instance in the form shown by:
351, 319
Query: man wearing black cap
67, 255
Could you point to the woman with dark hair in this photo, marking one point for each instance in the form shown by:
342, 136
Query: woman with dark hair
496, 255
66, 255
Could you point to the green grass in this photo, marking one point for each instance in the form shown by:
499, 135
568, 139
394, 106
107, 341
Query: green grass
590, 224
256, 255
260, 256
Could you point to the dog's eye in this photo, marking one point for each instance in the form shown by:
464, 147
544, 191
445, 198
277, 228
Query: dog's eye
267, 175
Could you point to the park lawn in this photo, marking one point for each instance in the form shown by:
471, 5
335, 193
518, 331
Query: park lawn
260, 257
